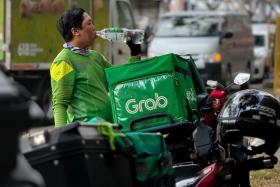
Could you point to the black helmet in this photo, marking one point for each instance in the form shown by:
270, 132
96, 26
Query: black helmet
252, 113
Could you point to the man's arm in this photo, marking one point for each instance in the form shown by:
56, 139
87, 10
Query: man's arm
135, 51
62, 83
60, 114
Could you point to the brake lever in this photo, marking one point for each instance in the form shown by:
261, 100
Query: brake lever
254, 150
269, 162
260, 163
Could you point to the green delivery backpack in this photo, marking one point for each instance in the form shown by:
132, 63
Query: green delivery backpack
159, 85
151, 161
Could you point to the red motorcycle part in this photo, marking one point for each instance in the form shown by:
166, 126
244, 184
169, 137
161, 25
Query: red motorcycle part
210, 176
218, 98
209, 118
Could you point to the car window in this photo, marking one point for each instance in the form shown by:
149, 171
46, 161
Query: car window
259, 40
188, 26
125, 15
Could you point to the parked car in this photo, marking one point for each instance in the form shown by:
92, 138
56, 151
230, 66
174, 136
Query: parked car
221, 43
263, 50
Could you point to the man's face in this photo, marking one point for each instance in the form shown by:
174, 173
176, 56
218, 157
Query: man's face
87, 33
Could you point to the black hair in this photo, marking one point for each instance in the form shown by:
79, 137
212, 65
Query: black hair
70, 19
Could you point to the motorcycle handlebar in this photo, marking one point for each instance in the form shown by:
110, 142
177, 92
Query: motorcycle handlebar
260, 163
255, 150
219, 86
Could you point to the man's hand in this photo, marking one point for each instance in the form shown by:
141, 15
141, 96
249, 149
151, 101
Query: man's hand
135, 49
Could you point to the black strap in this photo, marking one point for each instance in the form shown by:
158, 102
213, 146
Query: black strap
191, 112
133, 122
130, 149
186, 73
183, 71
161, 164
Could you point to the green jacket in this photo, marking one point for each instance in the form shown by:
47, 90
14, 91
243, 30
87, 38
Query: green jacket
79, 88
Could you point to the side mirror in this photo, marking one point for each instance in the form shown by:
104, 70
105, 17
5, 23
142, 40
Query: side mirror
241, 78
201, 99
211, 83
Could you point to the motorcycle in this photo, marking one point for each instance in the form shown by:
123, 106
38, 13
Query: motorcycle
224, 173
251, 113
231, 167
218, 94
210, 107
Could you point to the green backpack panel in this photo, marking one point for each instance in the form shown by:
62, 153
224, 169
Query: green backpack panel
151, 159
158, 85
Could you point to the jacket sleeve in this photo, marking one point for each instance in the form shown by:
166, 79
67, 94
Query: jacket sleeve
62, 83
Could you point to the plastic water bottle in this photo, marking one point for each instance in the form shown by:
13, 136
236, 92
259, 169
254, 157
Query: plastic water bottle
122, 35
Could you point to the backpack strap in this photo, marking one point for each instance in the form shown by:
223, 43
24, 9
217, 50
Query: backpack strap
183, 71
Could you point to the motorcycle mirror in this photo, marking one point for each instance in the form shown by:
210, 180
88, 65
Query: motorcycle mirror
211, 83
241, 78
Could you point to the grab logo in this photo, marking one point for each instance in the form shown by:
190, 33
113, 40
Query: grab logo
132, 106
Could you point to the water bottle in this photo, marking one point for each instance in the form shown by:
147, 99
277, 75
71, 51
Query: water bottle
122, 35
